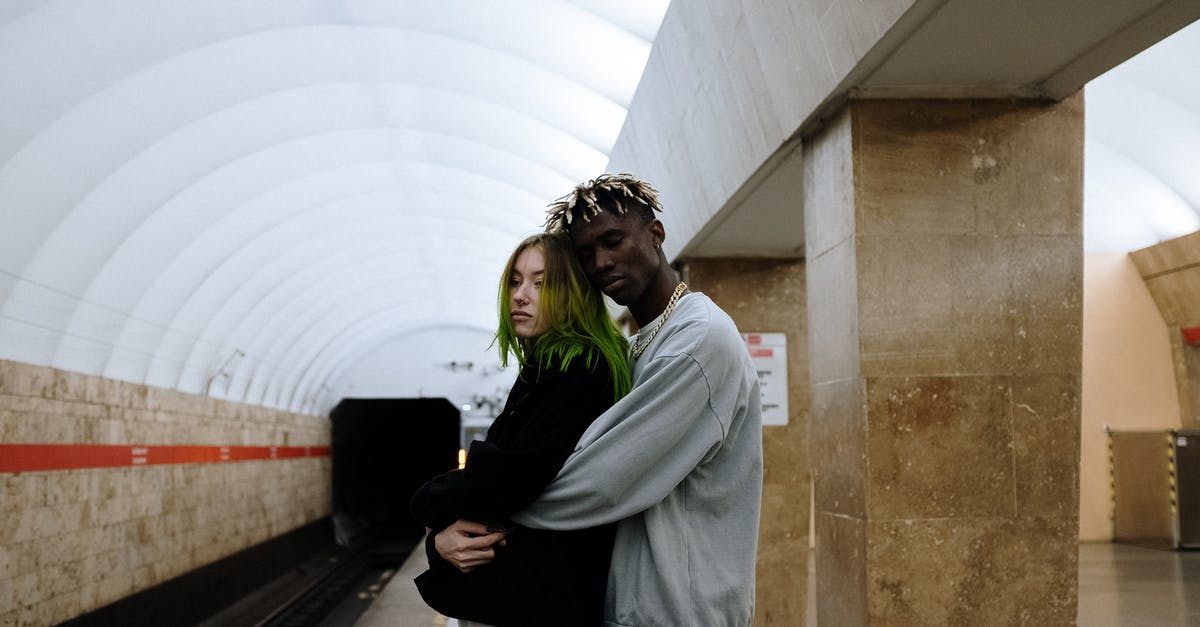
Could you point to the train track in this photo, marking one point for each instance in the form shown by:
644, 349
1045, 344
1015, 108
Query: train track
332, 589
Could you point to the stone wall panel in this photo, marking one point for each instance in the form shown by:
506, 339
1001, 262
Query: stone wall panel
74, 540
967, 273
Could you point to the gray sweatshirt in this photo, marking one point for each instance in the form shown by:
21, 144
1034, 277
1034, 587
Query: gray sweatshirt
678, 464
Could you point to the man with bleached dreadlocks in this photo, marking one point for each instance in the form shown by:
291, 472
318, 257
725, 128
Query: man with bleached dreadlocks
678, 462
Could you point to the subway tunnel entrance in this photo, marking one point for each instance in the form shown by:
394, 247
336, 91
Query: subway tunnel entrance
383, 450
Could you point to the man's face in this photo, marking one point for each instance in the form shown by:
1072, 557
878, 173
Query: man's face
619, 253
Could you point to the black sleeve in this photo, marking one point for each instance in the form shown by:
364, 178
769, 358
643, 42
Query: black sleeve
502, 480
503, 477
439, 502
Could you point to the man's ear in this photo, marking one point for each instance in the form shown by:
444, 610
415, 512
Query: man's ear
658, 232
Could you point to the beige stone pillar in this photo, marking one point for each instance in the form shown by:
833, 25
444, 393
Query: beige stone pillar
767, 295
945, 294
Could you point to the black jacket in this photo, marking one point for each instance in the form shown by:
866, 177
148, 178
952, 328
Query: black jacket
540, 577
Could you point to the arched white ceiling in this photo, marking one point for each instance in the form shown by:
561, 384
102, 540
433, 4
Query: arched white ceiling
247, 199
243, 198
1142, 147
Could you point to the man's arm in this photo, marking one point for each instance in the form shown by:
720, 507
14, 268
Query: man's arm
636, 453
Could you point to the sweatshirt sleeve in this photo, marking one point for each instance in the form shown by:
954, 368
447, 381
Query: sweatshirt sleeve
502, 478
636, 453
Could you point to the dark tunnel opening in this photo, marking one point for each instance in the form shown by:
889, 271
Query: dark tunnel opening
383, 450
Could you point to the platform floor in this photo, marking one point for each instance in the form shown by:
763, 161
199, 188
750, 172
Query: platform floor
1131, 586
1119, 586
399, 604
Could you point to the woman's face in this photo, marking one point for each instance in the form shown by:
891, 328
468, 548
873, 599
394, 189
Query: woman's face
524, 289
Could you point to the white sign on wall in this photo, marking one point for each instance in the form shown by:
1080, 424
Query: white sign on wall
768, 352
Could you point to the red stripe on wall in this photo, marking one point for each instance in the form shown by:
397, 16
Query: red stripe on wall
30, 457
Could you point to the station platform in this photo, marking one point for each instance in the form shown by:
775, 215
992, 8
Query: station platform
399, 603
1118, 585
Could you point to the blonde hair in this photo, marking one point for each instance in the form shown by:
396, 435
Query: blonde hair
607, 192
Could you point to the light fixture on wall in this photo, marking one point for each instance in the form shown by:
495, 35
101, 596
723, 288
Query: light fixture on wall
223, 371
487, 371
486, 404
470, 366
311, 401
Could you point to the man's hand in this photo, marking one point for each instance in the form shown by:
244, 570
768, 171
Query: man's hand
467, 544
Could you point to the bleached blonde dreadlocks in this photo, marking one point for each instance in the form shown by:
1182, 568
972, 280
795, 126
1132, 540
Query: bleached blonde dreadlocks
607, 192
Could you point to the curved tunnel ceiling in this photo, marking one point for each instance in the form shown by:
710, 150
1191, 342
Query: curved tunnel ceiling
1142, 147
232, 199
226, 198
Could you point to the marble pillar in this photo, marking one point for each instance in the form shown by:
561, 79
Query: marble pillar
944, 265
767, 296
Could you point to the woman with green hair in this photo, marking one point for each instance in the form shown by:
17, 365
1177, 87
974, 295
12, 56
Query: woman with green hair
573, 365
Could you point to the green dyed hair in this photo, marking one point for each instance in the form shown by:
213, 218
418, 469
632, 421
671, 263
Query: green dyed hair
580, 325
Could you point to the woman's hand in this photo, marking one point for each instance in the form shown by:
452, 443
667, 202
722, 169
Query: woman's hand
467, 544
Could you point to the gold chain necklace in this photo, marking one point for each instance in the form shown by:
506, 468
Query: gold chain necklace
639, 346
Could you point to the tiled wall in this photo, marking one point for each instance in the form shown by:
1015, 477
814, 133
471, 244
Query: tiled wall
945, 307
1171, 270
74, 540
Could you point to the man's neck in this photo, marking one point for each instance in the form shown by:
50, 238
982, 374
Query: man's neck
655, 299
